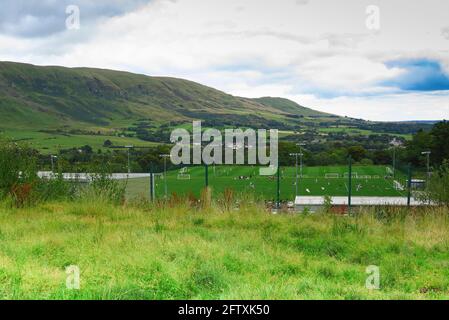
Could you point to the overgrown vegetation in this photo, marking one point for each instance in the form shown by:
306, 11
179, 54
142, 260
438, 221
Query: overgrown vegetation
21, 186
230, 247
179, 250
17, 169
437, 189
104, 186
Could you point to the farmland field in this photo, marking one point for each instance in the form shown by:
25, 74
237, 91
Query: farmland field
53, 142
317, 181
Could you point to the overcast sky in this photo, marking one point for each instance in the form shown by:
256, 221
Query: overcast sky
374, 59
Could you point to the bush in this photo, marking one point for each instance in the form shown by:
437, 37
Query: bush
19, 180
102, 185
18, 171
56, 189
366, 162
437, 189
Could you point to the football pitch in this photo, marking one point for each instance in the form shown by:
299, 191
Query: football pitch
315, 181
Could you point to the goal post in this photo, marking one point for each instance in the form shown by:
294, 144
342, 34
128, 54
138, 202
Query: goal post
183, 174
355, 175
184, 170
365, 177
398, 186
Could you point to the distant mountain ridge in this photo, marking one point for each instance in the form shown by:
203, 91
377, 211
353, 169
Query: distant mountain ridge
54, 97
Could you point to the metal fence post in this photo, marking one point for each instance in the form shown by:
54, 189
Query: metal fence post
409, 185
278, 188
350, 185
152, 193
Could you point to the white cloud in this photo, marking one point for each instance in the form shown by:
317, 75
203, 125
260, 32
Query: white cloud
291, 48
389, 107
343, 72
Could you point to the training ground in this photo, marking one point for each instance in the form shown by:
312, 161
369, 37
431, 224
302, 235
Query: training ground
315, 181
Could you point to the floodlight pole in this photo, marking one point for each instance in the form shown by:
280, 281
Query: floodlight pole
52, 157
409, 185
206, 175
152, 191
394, 162
206, 169
300, 145
129, 160
427, 154
297, 180
350, 185
278, 188
165, 156
296, 166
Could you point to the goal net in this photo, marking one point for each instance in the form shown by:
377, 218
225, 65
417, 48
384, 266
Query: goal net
398, 186
365, 177
332, 175
355, 175
184, 170
183, 176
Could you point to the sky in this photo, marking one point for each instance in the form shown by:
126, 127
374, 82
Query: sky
376, 59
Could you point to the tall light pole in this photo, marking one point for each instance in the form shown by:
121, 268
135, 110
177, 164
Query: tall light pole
427, 153
394, 162
165, 156
129, 160
350, 185
296, 155
300, 145
52, 158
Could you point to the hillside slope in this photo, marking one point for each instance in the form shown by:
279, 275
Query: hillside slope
57, 97
288, 106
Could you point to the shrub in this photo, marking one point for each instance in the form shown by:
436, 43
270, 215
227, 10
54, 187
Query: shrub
102, 185
437, 189
18, 171
327, 205
56, 189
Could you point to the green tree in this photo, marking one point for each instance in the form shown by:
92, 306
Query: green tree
437, 189
107, 143
357, 152
420, 142
435, 140
439, 142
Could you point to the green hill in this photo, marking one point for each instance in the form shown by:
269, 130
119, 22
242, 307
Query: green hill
288, 106
35, 97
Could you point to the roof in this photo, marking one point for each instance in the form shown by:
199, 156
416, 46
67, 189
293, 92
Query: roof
88, 176
356, 201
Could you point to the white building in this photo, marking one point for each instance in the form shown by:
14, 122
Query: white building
314, 203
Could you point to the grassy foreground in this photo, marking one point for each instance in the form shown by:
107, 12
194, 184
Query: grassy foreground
184, 253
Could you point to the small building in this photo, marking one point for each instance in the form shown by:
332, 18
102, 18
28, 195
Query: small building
87, 177
340, 204
396, 143
418, 184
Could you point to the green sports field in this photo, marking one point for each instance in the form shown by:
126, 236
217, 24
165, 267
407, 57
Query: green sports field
53, 142
316, 181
